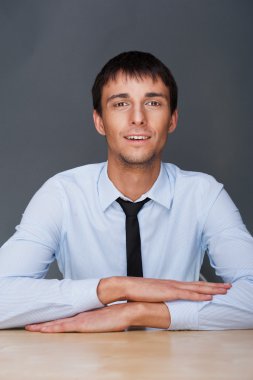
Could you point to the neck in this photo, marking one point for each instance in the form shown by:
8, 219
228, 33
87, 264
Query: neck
133, 180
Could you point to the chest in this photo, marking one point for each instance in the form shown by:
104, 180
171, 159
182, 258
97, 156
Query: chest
94, 243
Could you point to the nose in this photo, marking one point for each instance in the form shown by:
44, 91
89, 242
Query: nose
138, 116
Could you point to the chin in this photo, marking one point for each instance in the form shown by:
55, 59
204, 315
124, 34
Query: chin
138, 161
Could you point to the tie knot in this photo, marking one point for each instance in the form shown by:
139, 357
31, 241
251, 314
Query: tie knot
131, 208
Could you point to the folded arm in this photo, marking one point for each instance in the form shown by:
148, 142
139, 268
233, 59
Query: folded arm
146, 309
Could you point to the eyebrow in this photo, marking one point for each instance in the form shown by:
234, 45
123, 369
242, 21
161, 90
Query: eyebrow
122, 96
155, 95
147, 95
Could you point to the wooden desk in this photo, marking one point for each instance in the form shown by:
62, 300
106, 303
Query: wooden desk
133, 355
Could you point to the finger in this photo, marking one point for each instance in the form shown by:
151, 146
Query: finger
37, 326
212, 284
200, 284
53, 327
203, 283
193, 296
203, 289
60, 327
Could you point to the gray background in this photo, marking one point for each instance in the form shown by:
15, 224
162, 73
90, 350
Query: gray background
51, 52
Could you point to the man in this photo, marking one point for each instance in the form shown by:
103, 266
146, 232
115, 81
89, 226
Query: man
80, 217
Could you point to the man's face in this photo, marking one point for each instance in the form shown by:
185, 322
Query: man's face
136, 119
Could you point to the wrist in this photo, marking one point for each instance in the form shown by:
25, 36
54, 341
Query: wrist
147, 314
134, 313
111, 289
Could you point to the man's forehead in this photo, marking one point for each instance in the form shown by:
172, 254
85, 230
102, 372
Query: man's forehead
123, 81
125, 77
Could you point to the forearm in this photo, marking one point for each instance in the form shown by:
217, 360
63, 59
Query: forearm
27, 300
231, 311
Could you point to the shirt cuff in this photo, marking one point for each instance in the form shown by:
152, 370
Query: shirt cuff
84, 293
184, 315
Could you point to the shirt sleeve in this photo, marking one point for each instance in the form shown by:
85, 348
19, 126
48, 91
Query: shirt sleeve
230, 249
26, 297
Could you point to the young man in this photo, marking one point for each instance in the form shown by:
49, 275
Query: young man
80, 217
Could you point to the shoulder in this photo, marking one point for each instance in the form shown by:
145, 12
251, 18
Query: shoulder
82, 178
79, 175
192, 183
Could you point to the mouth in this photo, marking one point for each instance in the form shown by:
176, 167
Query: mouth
137, 139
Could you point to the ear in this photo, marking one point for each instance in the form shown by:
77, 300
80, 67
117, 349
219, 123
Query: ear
99, 125
173, 121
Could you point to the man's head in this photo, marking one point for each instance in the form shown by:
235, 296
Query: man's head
134, 64
135, 101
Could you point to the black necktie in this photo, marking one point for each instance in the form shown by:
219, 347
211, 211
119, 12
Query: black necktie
133, 241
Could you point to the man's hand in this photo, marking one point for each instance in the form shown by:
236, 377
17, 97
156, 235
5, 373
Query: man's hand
111, 318
154, 290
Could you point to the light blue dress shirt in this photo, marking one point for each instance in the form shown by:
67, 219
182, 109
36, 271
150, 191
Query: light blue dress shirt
74, 218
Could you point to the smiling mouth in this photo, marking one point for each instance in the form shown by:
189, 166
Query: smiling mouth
137, 138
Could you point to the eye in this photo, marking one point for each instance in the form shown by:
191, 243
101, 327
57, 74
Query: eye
153, 103
120, 104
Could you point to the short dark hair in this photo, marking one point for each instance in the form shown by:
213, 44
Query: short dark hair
134, 64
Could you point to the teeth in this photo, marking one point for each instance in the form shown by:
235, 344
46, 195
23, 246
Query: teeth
137, 137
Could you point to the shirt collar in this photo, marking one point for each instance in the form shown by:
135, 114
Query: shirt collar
160, 192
